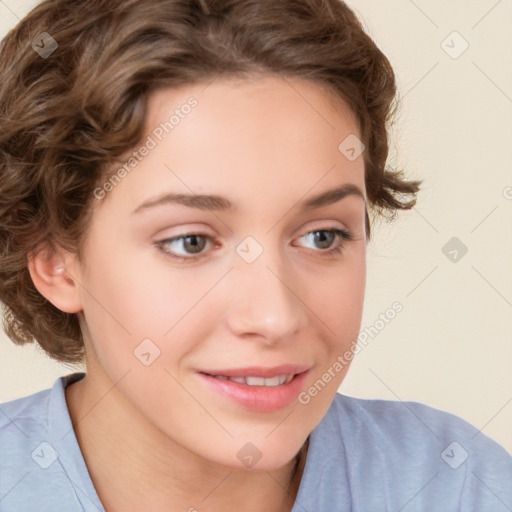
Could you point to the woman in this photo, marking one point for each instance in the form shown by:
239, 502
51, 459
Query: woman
187, 191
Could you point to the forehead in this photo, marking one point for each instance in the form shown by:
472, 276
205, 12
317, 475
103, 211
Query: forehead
264, 137
269, 98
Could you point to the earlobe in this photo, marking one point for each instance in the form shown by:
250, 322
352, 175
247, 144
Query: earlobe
48, 269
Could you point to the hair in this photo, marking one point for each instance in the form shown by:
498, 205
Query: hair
65, 116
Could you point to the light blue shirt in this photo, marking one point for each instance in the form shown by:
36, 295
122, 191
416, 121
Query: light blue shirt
364, 456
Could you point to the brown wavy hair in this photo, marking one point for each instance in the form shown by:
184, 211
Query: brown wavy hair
65, 118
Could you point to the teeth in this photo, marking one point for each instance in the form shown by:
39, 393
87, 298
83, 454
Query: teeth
278, 380
260, 381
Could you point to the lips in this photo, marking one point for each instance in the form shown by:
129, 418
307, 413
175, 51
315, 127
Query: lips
263, 389
259, 371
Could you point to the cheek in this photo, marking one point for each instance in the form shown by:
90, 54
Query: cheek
337, 301
134, 300
336, 296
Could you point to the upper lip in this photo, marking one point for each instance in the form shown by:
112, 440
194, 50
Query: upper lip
259, 371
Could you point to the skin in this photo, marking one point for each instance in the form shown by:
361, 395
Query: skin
156, 437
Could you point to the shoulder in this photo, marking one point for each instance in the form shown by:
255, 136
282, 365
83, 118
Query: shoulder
412, 425
414, 450
23, 428
33, 451
21, 421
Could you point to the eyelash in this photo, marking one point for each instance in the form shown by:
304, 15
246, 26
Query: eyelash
341, 234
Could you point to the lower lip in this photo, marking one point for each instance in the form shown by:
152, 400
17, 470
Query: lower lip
258, 398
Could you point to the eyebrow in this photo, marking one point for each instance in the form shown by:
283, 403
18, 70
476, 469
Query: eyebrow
219, 203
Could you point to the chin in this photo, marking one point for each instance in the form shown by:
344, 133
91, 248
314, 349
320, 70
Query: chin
256, 456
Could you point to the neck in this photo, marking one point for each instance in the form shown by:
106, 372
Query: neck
142, 469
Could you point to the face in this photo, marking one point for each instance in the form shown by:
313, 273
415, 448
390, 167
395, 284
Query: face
180, 291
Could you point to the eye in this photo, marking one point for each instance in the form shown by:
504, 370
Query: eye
191, 246
324, 238
184, 247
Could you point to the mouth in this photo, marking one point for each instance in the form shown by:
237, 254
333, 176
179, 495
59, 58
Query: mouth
278, 380
259, 375
258, 388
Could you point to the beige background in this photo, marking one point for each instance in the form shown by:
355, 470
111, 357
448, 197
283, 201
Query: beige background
451, 345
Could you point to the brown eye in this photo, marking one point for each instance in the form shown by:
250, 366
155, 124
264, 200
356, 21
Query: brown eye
194, 243
184, 246
323, 239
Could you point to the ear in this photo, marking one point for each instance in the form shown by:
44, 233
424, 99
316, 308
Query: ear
52, 270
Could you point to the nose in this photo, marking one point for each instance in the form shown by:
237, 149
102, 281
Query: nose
265, 300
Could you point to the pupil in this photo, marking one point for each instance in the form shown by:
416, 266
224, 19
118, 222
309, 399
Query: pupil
194, 246
322, 236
